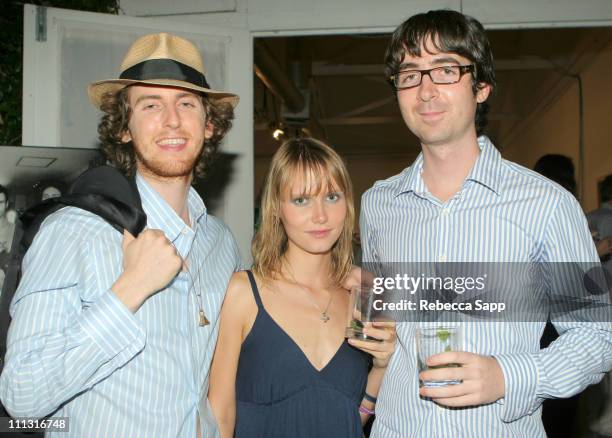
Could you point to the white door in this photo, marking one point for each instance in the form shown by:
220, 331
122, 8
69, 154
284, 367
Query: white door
65, 50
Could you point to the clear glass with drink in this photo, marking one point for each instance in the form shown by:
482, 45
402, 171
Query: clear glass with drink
360, 313
435, 340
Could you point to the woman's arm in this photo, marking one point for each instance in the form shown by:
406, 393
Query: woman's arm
381, 354
375, 378
237, 307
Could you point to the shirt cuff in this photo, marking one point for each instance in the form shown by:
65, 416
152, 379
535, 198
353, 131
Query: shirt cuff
521, 382
112, 326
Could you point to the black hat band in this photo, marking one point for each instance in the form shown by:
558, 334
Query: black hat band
164, 69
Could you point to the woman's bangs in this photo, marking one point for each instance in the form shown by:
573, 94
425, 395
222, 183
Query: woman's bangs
312, 178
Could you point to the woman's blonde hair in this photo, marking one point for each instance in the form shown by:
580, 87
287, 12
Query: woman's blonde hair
322, 169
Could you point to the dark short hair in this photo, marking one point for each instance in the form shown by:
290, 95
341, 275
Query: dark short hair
451, 32
606, 189
558, 168
114, 124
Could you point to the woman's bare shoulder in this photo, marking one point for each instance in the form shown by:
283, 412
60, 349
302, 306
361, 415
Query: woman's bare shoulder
239, 293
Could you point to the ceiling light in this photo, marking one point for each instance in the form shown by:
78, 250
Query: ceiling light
278, 133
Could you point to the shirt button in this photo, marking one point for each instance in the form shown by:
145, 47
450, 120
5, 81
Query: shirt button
442, 258
445, 211
185, 231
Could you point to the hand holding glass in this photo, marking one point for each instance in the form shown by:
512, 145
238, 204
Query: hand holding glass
435, 340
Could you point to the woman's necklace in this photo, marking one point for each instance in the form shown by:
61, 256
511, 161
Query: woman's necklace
324, 316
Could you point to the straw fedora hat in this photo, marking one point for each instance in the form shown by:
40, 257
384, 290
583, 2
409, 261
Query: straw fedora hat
161, 59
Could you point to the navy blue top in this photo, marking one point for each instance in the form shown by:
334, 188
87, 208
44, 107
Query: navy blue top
280, 394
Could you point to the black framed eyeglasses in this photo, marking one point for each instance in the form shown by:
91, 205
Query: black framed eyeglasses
444, 75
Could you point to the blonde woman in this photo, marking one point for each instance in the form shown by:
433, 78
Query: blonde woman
281, 339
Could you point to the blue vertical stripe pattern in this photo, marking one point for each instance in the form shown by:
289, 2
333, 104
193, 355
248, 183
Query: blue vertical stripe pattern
75, 350
502, 213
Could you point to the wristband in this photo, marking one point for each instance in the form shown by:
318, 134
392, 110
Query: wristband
365, 410
369, 398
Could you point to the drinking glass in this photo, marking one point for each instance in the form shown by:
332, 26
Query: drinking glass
360, 313
434, 340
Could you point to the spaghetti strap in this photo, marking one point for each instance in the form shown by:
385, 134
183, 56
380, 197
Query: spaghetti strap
254, 288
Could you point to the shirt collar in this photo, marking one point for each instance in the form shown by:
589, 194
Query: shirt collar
161, 216
486, 170
412, 180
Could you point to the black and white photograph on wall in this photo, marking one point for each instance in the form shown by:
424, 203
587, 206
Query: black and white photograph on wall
29, 176
7, 228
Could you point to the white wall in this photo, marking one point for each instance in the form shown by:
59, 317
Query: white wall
334, 16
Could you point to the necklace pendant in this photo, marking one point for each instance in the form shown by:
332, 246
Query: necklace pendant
324, 317
203, 320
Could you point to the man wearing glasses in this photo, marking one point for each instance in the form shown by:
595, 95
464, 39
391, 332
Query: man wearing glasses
461, 202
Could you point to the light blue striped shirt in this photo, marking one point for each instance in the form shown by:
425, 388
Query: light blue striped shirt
75, 350
502, 213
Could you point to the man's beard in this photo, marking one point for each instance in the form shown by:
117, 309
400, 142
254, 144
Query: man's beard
167, 168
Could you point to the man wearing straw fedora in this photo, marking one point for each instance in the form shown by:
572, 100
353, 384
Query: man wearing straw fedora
117, 333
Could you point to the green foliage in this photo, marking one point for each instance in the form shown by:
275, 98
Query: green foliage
11, 57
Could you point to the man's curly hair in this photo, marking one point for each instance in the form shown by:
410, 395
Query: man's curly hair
114, 123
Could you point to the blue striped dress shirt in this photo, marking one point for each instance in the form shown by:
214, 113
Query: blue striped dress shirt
74, 350
502, 213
